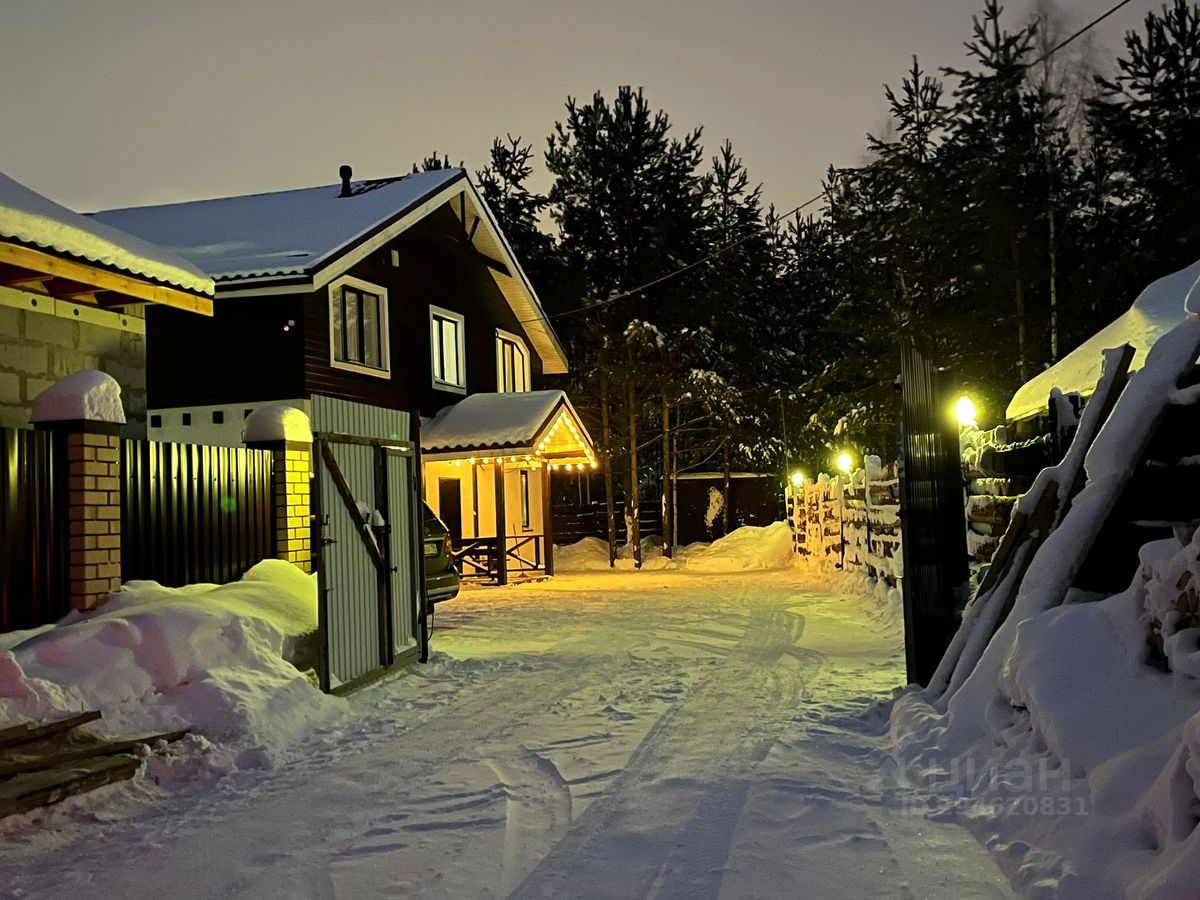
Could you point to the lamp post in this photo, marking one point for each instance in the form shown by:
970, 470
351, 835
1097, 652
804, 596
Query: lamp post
845, 465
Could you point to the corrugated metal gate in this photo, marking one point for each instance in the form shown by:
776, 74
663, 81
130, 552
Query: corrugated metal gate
931, 513
368, 539
33, 528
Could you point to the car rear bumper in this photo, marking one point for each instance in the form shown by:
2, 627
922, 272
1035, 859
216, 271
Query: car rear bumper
443, 586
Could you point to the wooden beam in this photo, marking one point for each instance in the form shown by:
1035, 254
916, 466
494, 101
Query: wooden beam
22, 793
35, 282
501, 525
101, 279
25, 732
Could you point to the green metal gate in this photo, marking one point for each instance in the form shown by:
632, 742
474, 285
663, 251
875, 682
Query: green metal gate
367, 537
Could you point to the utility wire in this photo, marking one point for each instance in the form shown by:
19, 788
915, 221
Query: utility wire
725, 248
1086, 28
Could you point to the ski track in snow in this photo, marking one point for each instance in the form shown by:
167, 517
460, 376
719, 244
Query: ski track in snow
649, 735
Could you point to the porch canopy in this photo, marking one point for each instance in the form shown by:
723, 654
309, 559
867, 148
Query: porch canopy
538, 427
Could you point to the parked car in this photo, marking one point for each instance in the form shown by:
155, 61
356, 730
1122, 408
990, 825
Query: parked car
441, 577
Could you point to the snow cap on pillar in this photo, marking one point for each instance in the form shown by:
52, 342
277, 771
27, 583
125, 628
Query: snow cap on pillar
84, 396
277, 424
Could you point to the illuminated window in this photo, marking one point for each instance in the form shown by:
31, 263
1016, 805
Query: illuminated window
446, 350
358, 327
512, 363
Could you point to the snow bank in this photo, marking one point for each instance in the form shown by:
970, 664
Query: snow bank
205, 657
84, 396
743, 549
277, 422
748, 547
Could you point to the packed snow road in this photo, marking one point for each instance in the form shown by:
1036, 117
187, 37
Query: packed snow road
608, 735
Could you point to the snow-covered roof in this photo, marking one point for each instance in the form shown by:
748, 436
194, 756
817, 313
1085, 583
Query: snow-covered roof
496, 422
1158, 309
35, 221
303, 239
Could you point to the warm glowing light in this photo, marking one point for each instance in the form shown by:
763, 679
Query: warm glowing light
797, 478
471, 460
964, 411
595, 465
845, 463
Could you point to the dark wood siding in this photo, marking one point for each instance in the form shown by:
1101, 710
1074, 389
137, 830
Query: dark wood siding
245, 352
434, 269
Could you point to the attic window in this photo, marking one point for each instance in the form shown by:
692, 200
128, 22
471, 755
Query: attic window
446, 347
512, 363
358, 327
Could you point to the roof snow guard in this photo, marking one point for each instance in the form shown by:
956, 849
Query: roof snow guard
1158, 309
300, 240
47, 248
541, 424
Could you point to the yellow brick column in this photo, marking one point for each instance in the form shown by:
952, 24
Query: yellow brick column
293, 522
94, 517
284, 430
85, 408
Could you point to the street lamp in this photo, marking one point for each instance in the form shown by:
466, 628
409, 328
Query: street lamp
964, 411
797, 478
845, 463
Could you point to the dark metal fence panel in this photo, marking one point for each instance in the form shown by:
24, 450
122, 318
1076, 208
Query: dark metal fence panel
933, 522
193, 513
33, 528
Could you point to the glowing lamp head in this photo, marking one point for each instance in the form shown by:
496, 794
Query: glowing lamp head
797, 479
964, 411
845, 463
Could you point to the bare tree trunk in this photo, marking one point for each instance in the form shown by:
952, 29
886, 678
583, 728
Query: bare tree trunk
1053, 288
606, 452
667, 476
1022, 359
725, 473
631, 495
674, 488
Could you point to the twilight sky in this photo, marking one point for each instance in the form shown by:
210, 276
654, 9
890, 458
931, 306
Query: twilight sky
119, 102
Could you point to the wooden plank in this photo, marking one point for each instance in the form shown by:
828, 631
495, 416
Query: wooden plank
343, 489
59, 267
24, 733
51, 753
26, 792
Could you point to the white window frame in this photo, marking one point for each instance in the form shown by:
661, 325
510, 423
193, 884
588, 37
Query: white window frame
501, 336
437, 312
385, 349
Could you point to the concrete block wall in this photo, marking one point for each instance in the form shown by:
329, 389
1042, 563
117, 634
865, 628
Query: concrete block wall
43, 340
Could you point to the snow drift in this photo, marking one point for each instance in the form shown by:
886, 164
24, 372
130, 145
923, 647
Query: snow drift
210, 658
743, 549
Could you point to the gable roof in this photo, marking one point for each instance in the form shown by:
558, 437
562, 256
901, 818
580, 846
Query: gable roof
300, 240
497, 422
29, 219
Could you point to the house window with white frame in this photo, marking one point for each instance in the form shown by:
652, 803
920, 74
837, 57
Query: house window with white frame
512, 363
358, 328
446, 344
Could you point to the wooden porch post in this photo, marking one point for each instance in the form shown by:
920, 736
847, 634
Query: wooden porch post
501, 526
547, 521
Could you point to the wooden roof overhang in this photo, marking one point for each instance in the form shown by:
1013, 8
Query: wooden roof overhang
76, 281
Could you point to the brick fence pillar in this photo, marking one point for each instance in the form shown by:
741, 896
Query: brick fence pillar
85, 408
285, 432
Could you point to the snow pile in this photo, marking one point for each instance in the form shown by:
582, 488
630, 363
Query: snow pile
84, 396
205, 657
277, 422
33, 219
1158, 309
587, 554
748, 547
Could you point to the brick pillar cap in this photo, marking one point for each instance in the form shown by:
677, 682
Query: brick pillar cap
85, 396
276, 426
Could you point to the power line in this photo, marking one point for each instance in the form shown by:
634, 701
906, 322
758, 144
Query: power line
1086, 28
712, 254
725, 248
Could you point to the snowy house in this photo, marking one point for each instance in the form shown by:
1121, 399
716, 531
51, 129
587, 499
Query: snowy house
72, 291
401, 293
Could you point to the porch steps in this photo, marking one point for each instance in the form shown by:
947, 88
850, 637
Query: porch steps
45, 763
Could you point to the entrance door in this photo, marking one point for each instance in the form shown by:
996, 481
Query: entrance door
450, 507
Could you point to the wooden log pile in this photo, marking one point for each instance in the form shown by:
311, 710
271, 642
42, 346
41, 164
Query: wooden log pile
45, 763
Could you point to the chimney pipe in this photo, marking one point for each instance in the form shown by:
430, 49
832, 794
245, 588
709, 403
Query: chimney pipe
345, 172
